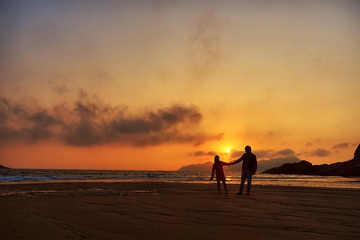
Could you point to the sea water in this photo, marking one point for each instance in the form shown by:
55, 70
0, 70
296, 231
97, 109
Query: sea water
15, 176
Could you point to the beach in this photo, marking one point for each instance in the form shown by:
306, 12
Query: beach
160, 210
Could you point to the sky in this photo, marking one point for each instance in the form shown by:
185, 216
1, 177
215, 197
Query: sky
156, 85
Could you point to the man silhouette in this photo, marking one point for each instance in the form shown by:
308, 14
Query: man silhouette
248, 169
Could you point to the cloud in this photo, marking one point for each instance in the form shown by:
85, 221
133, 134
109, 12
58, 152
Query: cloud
320, 152
10, 111
44, 119
203, 153
17, 122
236, 154
268, 153
205, 44
341, 146
89, 121
286, 152
264, 153
59, 88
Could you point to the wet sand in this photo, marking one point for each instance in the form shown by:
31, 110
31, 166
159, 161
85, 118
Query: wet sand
175, 211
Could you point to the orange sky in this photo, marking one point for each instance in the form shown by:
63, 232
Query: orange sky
158, 85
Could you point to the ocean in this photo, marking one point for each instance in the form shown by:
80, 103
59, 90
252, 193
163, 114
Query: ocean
16, 176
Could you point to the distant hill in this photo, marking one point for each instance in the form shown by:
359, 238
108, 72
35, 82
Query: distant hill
200, 167
2, 167
262, 165
346, 169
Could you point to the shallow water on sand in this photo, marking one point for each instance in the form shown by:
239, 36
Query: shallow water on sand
13, 176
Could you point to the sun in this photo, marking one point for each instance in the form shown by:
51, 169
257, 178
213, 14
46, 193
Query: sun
228, 150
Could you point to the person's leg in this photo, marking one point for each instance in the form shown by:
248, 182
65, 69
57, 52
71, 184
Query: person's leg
218, 185
243, 178
249, 178
225, 187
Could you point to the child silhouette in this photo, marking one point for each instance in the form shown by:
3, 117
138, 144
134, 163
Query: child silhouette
220, 176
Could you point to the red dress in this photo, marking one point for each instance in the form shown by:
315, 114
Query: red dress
218, 167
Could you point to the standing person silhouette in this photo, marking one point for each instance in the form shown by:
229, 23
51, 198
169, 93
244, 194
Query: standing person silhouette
220, 176
248, 169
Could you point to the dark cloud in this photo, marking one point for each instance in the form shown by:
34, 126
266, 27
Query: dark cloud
89, 121
341, 146
83, 133
12, 112
203, 153
266, 153
43, 118
286, 152
320, 152
38, 133
17, 122
160, 120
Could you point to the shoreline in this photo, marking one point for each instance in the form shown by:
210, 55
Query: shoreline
54, 176
94, 187
157, 210
328, 185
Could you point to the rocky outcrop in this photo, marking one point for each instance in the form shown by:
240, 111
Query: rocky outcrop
357, 153
346, 169
274, 162
357, 157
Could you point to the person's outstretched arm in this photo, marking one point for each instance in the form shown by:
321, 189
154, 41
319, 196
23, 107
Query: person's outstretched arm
238, 160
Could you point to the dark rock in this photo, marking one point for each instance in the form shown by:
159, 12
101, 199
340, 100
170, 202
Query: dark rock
357, 153
291, 168
346, 169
